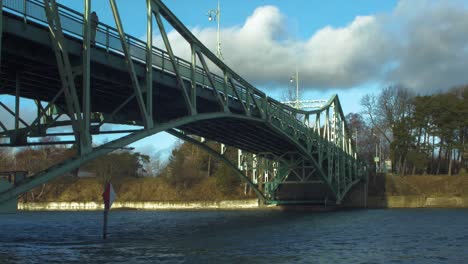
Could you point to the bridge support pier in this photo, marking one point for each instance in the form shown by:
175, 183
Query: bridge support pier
282, 178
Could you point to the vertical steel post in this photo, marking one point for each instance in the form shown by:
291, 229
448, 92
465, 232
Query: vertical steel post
85, 137
1, 29
135, 83
317, 124
247, 99
376, 162
218, 18
25, 2
239, 159
225, 86
64, 66
17, 100
149, 59
39, 112
175, 66
297, 88
107, 39
193, 66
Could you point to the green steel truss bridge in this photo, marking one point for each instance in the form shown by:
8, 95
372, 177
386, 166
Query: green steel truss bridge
288, 155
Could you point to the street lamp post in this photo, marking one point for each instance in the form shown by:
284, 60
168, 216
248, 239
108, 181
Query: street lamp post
356, 138
296, 79
377, 158
377, 154
215, 14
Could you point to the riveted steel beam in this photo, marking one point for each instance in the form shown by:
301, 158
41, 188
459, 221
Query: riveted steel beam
160, 8
149, 59
16, 116
1, 29
75, 162
64, 67
327, 151
239, 98
147, 121
193, 66
85, 136
220, 101
175, 67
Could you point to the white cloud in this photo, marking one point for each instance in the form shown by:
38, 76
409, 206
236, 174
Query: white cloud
433, 44
344, 57
420, 44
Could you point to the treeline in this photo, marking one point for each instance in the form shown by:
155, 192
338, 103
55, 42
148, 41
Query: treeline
420, 134
189, 165
190, 173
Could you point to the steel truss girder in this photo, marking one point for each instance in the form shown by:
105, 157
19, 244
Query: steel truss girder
191, 109
199, 49
210, 79
327, 148
75, 162
1, 29
145, 116
85, 143
67, 76
282, 169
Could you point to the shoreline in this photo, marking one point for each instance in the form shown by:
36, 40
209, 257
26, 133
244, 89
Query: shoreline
417, 201
93, 206
373, 202
409, 201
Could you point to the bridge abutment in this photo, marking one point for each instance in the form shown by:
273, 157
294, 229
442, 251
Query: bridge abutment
358, 196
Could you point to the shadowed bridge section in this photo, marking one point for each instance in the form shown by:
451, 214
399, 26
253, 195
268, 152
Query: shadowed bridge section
49, 55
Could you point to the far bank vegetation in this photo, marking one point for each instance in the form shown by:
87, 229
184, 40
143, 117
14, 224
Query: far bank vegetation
416, 134
189, 174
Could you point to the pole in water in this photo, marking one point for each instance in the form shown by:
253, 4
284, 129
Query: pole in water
108, 197
104, 231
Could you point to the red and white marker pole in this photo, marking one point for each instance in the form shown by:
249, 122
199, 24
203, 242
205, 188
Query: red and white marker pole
109, 197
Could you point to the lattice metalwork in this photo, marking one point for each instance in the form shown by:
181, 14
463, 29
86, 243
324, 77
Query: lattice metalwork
81, 84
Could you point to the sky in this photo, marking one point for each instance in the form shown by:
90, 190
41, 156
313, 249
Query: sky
349, 48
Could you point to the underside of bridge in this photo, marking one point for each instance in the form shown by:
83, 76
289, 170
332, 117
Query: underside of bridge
287, 155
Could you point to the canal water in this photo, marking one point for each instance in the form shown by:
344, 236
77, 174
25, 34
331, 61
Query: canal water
256, 236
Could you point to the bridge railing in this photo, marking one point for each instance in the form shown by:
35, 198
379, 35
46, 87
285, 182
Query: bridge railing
107, 38
293, 122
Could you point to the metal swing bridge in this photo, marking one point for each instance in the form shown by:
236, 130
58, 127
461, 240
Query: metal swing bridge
288, 155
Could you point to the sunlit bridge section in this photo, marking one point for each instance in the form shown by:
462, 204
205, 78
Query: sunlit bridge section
81, 75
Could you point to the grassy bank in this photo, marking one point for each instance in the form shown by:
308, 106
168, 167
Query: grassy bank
412, 191
132, 190
157, 189
424, 185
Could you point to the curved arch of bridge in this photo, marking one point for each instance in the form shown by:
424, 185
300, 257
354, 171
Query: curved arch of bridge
166, 93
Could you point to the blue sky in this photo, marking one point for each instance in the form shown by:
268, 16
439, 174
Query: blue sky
307, 16
304, 18
349, 48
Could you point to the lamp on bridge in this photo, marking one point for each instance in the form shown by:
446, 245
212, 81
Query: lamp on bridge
295, 78
215, 14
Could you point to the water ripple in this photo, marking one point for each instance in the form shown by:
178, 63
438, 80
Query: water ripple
364, 236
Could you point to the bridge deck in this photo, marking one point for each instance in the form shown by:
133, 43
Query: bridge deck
26, 49
250, 120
